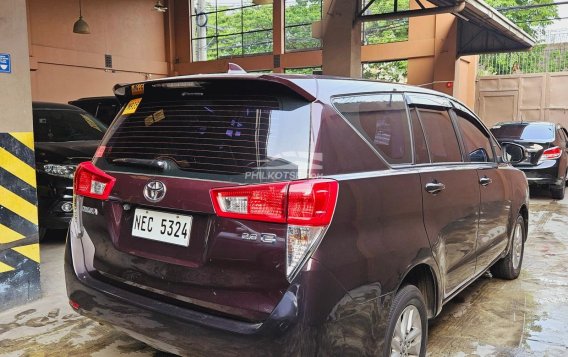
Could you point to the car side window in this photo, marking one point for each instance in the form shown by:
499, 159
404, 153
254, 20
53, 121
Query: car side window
476, 140
440, 135
382, 120
420, 148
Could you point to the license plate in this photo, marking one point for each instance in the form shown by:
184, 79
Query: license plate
162, 226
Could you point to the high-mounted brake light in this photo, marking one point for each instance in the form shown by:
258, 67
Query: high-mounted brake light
552, 153
90, 181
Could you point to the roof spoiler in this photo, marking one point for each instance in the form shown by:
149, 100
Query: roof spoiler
125, 92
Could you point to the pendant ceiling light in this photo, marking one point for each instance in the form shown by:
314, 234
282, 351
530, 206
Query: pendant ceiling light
81, 26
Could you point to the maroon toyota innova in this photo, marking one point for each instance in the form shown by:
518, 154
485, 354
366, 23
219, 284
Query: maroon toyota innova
289, 215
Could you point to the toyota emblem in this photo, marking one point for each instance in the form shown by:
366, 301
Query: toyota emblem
154, 191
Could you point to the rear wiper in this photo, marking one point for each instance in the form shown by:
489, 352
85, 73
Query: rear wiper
149, 163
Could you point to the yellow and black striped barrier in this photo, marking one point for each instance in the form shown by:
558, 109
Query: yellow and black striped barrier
19, 244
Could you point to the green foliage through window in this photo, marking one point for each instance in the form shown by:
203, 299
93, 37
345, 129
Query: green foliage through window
230, 28
298, 18
385, 31
304, 70
394, 71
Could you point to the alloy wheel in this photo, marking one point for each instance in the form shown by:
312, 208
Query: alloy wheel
517, 245
407, 338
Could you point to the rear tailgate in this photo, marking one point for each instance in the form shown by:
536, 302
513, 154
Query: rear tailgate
158, 232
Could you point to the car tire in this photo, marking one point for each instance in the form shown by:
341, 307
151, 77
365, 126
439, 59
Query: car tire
509, 267
408, 305
557, 192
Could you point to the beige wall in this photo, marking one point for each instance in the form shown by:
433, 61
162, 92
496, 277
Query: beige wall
15, 98
527, 97
466, 73
67, 66
341, 52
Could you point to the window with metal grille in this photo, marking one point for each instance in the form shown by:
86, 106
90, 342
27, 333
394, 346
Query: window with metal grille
230, 28
298, 19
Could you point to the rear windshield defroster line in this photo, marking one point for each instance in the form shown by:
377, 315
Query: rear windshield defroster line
237, 138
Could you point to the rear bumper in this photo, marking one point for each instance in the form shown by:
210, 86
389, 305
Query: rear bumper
545, 173
290, 330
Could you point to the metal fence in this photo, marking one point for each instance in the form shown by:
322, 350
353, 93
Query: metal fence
550, 56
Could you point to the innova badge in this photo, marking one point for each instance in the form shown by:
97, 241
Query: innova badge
154, 191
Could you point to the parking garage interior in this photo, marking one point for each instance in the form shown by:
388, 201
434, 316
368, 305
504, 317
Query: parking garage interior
63, 50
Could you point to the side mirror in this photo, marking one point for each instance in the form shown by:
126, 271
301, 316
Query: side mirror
513, 153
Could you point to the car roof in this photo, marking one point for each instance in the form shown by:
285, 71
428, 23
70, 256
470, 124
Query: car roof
52, 105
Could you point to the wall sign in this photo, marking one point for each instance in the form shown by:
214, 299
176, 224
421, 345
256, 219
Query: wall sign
5, 63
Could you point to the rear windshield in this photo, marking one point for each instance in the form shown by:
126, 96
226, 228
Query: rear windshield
237, 138
57, 125
528, 132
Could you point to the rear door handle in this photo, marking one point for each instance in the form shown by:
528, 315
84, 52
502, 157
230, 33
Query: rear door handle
484, 181
434, 187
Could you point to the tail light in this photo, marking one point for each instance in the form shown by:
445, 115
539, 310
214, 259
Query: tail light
93, 182
255, 202
306, 206
551, 154
312, 202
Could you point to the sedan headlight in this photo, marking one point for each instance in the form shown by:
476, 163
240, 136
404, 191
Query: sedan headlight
60, 170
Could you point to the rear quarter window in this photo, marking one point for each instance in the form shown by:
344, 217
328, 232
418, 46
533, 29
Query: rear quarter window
382, 120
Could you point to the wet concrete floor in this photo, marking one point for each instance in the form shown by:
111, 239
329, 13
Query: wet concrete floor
492, 317
523, 317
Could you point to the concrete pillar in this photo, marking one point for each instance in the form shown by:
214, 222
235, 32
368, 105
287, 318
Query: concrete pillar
442, 70
445, 54
278, 35
19, 247
341, 55
421, 69
182, 33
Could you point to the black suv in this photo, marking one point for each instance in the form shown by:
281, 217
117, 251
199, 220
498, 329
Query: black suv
547, 145
64, 136
289, 215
